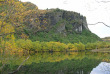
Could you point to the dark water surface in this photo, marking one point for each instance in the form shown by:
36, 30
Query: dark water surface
57, 63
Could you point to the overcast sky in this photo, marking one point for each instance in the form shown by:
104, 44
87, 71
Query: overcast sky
94, 10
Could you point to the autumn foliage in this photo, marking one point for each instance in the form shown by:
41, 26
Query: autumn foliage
26, 45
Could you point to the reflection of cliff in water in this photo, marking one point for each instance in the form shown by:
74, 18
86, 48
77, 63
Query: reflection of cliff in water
102, 68
83, 66
56, 63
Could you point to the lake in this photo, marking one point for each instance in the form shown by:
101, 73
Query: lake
57, 63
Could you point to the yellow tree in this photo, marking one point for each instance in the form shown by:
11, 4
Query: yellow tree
10, 16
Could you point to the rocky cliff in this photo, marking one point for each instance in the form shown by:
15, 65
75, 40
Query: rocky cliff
27, 21
65, 20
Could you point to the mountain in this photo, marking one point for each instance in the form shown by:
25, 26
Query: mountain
27, 21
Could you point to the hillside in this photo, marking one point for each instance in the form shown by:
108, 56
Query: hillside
26, 21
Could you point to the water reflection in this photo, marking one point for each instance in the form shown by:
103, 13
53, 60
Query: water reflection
55, 63
102, 68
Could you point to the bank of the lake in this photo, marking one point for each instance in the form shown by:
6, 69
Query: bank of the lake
27, 46
101, 50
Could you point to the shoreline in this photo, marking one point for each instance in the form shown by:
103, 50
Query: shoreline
101, 50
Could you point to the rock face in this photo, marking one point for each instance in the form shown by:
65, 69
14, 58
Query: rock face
65, 20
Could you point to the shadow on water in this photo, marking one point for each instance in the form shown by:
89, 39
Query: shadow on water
55, 63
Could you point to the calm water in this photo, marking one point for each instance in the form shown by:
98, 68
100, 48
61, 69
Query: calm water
57, 63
